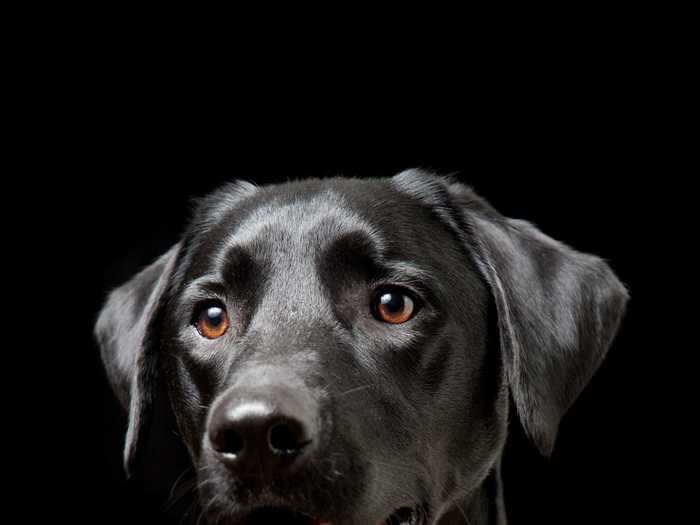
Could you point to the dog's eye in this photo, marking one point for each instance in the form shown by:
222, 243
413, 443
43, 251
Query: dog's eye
211, 320
393, 305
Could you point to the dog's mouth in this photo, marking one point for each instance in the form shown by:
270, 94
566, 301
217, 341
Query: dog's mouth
267, 515
406, 516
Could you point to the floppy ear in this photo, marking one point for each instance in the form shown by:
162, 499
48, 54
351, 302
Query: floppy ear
558, 309
127, 332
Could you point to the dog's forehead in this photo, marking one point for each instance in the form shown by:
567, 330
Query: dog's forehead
311, 215
310, 220
298, 221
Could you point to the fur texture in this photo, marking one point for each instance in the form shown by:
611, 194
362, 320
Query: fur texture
411, 416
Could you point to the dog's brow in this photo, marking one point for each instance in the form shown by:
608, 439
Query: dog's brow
404, 271
202, 287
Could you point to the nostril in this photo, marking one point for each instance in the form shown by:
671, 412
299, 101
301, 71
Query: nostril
229, 442
286, 438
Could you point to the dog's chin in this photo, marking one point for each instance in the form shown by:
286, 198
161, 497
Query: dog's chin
287, 515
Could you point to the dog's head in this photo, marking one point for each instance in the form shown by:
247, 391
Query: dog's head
343, 350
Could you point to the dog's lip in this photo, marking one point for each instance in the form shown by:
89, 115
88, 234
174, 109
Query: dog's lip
277, 514
405, 516
401, 516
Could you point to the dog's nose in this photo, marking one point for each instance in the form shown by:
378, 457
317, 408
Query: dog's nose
261, 431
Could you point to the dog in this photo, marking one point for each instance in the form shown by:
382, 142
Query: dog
346, 351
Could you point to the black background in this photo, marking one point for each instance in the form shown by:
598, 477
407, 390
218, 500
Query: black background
579, 144
596, 468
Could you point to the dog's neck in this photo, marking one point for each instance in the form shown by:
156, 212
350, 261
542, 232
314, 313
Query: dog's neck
485, 506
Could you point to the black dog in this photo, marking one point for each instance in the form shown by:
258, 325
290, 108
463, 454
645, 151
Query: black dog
342, 351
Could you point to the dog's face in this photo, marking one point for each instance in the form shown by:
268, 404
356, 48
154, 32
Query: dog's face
341, 351
369, 337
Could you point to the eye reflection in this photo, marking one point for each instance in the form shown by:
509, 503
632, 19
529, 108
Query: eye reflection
393, 305
212, 320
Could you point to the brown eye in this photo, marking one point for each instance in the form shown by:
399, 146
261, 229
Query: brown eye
212, 321
393, 305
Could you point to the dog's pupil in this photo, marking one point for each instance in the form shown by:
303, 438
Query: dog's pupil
214, 315
392, 302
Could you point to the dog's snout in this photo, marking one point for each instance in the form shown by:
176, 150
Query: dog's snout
255, 424
262, 430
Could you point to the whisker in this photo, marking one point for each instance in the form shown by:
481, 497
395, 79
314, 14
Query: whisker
205, 482
180, 490
179, 478
355, 389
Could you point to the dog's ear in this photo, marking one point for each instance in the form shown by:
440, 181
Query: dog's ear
127, 332
558, 309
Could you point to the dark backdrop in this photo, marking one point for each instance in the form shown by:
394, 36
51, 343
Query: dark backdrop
576, 188
580, 147
577, 130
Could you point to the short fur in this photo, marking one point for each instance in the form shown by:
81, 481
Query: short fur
410, 415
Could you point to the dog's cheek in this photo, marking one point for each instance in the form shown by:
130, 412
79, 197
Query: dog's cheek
459, 387
478, 422
192, 383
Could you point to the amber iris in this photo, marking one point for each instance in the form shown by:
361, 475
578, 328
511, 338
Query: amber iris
393, 306
212, 321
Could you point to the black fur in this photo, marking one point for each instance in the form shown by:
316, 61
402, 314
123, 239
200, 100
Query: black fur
411, 415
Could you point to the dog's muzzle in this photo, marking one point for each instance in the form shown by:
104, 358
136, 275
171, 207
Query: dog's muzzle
263, 432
